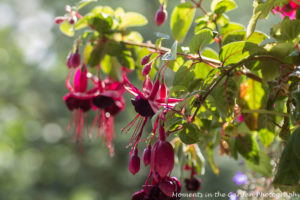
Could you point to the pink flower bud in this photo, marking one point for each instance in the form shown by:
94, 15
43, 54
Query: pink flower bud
162, 158
147, 68
59, 20
167, 187
134, 163
160, 16
80, 80
147, 155
75, 61
145, 59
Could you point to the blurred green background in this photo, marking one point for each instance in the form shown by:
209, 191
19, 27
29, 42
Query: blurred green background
38, 158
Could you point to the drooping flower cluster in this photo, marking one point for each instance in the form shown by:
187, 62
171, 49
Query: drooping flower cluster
288, 10
104, 97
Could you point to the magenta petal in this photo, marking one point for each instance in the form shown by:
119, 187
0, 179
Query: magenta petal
80, 80
162, 158
147, 86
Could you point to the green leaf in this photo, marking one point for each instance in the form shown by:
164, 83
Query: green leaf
288, 174
67, 28
126, 60
231, 27
181, 20
94, 57
101, 22
111, 67
261, 10
287, 30
247, 146
200, 40
252, 93
266, 136
131, 19
256, 37
264, 167
202, 70
224, 102
84, 3
237, 51
184, 75
221, 6
189, 134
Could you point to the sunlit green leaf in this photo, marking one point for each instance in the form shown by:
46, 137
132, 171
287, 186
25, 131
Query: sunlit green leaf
237, 51
67, 28
221, 6
266, 136
131, 19
200, 40
181, 20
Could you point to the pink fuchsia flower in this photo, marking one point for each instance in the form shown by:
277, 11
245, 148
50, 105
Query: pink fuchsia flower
104, 97
288, 10
240, 178
108, 102
76, 100
146, 104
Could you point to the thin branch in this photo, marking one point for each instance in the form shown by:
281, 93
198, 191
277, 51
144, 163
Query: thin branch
164, 50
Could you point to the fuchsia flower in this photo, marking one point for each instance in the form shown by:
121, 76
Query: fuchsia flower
104, 97
192, 184
288, 10
146, 104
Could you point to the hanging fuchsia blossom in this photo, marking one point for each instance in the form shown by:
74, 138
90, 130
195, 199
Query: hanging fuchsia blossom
146, 104
108, 102
288, 10
105, 97
76, 100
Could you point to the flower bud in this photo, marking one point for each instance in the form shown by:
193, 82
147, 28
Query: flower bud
59, 20
75, 61
147, 68
162, 158
147, 155
134, 163
160, 16
145, 59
